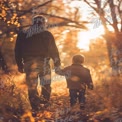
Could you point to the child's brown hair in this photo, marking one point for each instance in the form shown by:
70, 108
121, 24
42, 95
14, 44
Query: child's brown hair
78, 59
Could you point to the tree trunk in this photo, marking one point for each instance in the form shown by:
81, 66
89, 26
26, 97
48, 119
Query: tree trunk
118, 44
113, 40
113, 15
114, 53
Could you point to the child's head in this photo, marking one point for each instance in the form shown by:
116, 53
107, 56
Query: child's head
78, 59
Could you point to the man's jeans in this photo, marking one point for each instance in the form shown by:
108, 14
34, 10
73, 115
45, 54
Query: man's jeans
35, 69
76, 94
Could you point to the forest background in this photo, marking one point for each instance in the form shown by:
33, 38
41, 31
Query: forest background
89, 27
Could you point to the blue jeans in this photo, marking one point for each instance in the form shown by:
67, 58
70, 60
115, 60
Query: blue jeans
34, 69
75, 94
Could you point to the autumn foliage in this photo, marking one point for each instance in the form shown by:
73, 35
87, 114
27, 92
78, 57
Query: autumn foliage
103, 102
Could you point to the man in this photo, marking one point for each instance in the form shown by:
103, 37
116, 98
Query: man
33, 51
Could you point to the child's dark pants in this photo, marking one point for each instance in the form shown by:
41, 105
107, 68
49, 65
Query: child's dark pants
76, 94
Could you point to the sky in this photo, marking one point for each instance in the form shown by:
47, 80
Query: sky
95, 27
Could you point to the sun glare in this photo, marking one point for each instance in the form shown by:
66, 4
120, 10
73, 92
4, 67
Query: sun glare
84, 37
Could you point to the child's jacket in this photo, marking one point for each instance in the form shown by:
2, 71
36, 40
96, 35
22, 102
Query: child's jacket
77, 76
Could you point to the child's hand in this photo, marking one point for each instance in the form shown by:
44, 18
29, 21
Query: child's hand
57, 70
90, 87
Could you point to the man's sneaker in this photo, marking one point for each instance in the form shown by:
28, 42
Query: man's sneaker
34, 113
82, 106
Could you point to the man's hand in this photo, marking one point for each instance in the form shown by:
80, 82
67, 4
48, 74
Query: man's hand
57, 70
21, 70
7, 71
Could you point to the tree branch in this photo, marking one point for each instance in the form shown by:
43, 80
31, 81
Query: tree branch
91, 6
63, 18
105, 4
120, 13
49, 26
113, 14
108, 21
30, 10
55, 16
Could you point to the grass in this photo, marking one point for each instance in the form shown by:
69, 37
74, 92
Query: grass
103, 102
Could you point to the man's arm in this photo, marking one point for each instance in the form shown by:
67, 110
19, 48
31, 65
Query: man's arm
53, 51
60, 71
18, 52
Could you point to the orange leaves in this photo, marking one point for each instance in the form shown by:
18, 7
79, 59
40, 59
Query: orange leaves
3, 13
45, 114
101, 103
8, 15
27, 117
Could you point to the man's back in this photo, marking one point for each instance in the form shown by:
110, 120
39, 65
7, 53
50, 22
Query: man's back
36, 45
41, 45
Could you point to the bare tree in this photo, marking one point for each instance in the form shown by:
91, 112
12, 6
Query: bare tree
110, 15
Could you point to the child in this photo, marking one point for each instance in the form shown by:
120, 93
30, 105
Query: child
77, 77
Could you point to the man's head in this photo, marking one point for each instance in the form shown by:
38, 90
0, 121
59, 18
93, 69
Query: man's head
39, 20
78, 59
